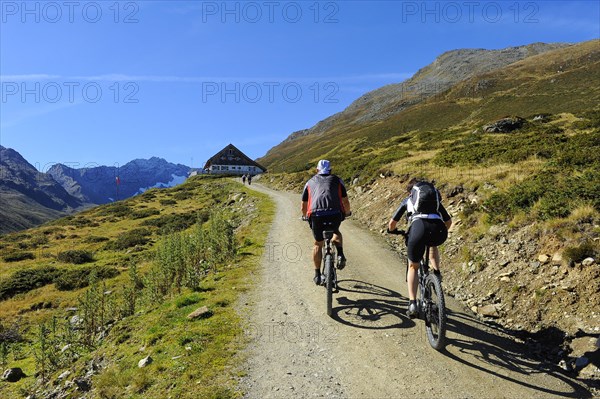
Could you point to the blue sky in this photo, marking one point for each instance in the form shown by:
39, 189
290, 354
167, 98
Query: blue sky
104, 82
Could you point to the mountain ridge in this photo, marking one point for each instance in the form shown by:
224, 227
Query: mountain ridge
98, 185
30, 197
427, 82
534, 87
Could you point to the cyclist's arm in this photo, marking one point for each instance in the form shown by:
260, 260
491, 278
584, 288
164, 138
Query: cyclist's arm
397, 215
445, 216
304, 206
346, 204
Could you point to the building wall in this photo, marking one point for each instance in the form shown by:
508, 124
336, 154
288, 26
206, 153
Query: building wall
235, 169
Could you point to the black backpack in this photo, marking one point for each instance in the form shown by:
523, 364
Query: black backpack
424, 198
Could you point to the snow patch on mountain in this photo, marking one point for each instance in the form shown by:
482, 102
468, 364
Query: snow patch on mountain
175, 181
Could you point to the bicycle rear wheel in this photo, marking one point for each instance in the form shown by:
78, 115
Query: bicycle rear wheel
329, 282
435, 312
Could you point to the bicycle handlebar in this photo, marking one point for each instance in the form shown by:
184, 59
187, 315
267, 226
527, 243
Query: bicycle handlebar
397, 232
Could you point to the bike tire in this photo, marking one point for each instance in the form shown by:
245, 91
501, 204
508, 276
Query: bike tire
435, 312
329, 282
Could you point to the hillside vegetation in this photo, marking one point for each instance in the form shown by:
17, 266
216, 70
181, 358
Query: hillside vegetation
525, 201
84, 298
558, 81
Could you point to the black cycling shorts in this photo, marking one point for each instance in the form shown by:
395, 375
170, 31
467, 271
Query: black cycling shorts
424, 232
319, 224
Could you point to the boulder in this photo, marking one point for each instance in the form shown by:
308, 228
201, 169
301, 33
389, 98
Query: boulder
64, 375
200, 313
557, 258
488, 311
145, 362
543, 258
83, 384
13, 374
505, 125
588, 262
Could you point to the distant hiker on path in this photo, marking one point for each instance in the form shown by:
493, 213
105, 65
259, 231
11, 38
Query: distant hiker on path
249, 179
244, 179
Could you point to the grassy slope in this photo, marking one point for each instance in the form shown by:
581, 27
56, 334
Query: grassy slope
161, 328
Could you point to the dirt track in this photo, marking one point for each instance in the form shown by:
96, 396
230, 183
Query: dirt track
370, 349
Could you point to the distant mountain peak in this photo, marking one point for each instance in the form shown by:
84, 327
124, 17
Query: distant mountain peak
28, 196
97, 185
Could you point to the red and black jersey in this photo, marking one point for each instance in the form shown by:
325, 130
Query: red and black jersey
324, 195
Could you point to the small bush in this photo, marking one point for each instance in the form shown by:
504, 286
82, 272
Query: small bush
16, 237
79, 278
26, 280
38, 240
168, 201
187, 300
183, 195
95, 239
579, 253
129, 239
144, 213
174, 222
591, 119
75, 256
117, 209
18, 256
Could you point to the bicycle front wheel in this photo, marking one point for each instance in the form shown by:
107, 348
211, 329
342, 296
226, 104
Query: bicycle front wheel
329, 282
435, 312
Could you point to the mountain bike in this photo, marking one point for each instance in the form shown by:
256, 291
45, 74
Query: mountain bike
430, 302
328, 269
328, 274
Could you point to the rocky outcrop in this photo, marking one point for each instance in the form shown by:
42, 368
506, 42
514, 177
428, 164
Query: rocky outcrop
13, 375
505, 125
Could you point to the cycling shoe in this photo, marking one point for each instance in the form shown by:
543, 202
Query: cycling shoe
413, 310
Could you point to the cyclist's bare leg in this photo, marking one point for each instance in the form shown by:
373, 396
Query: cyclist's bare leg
434, 258
318, 254
337, 239
412, 280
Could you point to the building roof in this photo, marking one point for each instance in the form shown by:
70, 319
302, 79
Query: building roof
231, 155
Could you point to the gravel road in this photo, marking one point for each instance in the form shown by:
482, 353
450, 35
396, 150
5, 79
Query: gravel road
369, 349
